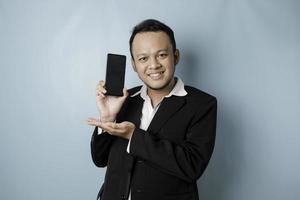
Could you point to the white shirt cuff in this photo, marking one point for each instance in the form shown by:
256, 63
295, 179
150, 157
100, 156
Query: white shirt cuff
100, 131
128, 145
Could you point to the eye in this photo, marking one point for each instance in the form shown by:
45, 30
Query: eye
143, 59
163, 55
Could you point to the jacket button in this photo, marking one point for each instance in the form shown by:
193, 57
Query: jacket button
140, 161
123, 197
138, 191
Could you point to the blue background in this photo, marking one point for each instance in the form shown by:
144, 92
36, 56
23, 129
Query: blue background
53, 53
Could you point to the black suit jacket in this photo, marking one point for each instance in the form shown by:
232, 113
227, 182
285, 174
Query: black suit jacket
166, 160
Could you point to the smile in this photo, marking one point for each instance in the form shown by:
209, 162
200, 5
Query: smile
156, 76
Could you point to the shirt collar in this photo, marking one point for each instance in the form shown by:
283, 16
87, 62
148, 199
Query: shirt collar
178, 90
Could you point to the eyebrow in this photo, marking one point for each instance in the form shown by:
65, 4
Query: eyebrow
163, 50
143, 54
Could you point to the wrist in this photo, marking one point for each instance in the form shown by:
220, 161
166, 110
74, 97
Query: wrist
107, 119
129, 135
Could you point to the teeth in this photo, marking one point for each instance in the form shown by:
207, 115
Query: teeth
155, 75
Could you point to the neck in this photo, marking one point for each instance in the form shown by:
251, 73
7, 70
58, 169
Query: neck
157, 95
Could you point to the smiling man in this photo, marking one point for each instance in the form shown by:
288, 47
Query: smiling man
157, 139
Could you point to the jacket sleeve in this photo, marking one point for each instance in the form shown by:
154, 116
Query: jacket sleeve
186, 160
100, 147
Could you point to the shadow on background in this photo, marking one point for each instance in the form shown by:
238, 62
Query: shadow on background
187, 67
215, 183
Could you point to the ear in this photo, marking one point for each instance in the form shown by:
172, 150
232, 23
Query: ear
133, 64
176, 56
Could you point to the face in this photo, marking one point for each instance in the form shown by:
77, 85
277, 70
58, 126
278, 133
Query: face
154, 60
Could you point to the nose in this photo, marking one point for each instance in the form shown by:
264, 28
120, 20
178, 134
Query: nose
154, 63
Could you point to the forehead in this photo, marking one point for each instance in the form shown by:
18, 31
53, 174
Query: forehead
147, 42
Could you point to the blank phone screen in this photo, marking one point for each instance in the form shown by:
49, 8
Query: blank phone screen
115, 74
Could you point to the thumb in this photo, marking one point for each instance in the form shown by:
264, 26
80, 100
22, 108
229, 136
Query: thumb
125, 92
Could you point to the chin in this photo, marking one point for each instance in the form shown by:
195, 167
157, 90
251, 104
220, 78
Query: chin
157, 86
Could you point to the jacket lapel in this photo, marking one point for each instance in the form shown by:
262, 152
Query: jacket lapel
169, 106
135, 110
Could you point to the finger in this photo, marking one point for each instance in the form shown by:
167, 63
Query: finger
94, 122
100, 89
102, 83
112, 125
100, 94
91, 123
118, 125
92, 119
125, 93
108, 129
113, 128
127, 125
121, 125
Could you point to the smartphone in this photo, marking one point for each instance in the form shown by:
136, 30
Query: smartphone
115, 74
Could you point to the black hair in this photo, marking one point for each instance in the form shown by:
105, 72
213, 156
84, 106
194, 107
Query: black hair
152, 25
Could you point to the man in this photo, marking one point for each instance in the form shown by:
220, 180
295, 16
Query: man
156, 140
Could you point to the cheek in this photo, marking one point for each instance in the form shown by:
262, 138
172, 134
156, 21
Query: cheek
140, 69
170, 65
